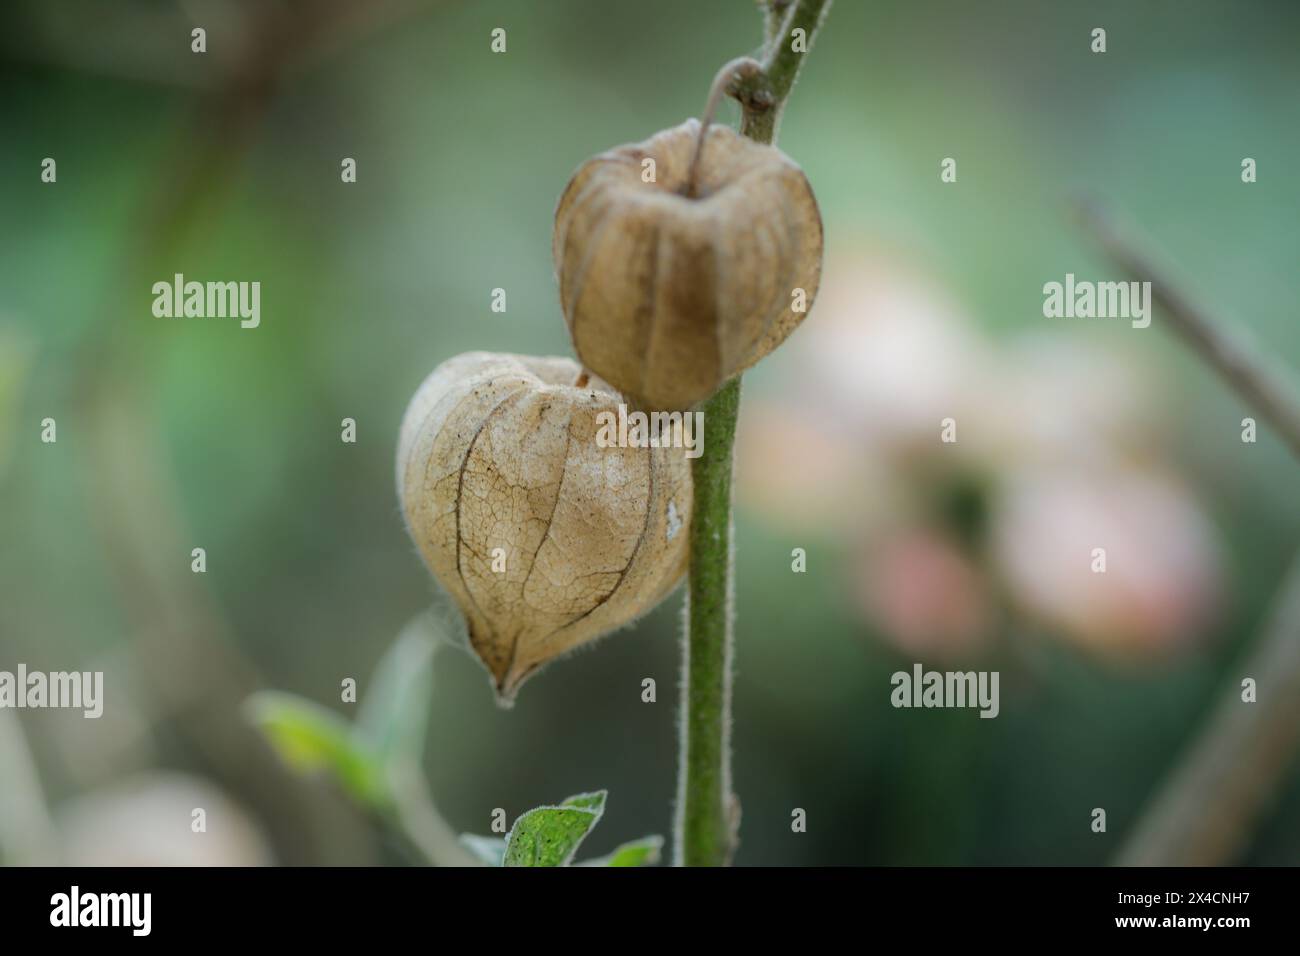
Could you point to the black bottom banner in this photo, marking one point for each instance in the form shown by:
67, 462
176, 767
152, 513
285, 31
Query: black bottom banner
362, 906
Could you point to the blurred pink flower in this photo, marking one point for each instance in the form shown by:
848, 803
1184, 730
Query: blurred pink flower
1058, 399
1061, 431
794, 470
924, 594
887, 354
883, 359
1161, 582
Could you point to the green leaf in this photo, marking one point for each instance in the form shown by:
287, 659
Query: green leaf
549, 836
642, 852
395, 708
588, 801
311, 739
491, 850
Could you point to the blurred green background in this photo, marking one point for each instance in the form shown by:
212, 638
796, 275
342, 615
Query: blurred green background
174, 434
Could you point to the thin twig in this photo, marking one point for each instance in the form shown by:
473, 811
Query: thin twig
1231, 353
761, 120
774, 12
1206, 809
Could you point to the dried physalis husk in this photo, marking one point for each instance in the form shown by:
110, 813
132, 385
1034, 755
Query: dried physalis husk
544, 538
668, 290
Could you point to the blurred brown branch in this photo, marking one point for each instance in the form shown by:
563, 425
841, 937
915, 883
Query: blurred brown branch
150, 43
1207, 807
1264, 387
189, 661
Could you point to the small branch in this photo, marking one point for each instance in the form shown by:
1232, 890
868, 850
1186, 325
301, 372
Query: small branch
1259, 383
708, 813
774, 12
761, 119
1206, 809
1204, 813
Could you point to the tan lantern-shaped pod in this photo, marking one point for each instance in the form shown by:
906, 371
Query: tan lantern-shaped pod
670, 287
543, 533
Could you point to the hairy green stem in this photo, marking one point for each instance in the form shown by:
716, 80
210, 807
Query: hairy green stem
706, 808
708, 813
784, 57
